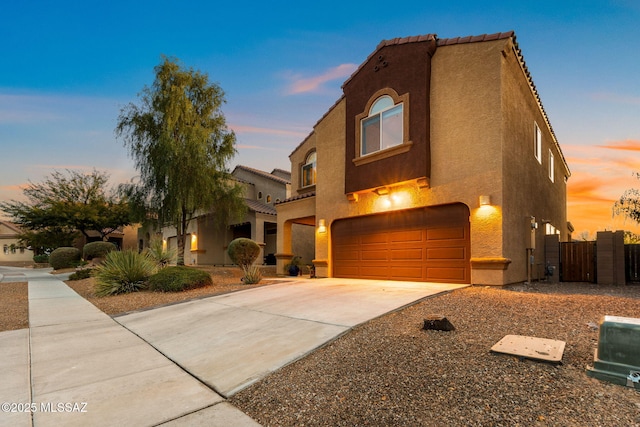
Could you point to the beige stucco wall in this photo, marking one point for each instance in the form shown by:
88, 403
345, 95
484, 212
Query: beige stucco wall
466, 143
527, 189
18, 254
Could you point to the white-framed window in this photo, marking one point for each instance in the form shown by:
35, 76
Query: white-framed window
309, 170
268, 198
537, 143
552, 176
383, 127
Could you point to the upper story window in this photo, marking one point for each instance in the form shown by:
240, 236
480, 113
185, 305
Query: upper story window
309, 170
383, 127
537, 144
552, 175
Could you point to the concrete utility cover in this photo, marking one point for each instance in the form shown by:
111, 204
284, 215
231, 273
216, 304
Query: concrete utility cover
531, 347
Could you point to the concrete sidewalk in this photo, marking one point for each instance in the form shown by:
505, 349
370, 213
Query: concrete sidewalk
174, 365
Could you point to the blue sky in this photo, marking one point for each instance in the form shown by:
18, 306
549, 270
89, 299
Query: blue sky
68, 67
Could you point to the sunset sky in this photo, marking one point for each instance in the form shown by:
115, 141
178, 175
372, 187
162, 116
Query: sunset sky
68, 67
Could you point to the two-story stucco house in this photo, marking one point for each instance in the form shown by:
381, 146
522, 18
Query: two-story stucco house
438, 163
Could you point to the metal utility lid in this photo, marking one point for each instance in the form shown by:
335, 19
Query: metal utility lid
531, 348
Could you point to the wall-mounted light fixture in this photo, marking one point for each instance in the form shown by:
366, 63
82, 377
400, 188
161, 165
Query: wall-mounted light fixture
322, 226
381, 191
485, 200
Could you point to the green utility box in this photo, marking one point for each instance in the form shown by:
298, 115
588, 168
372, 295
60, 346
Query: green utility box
617, 358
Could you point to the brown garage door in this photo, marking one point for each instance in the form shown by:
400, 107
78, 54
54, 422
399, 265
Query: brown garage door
427, 244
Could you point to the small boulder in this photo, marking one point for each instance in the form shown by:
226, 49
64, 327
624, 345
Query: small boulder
437, 322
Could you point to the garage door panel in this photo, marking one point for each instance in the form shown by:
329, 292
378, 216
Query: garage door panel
443, 274
406, 236
446, 233
415, 254
424, 244
368, 239
446, 253
407, 273
370, 255
374, 272
347, 253
346, 271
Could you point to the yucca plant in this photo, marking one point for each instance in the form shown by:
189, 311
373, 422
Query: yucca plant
244, 253
159, 254
123, 272
252, 275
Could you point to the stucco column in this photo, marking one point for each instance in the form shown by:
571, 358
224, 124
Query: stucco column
284, 254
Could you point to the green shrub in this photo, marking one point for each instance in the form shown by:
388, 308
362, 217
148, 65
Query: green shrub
159, 254
97, 250
65, 257
178, 278
84, 273
41, 259
123, 272
243, 252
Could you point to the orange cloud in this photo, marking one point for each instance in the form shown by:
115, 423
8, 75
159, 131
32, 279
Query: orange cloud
314, 84
586, 189
627, 145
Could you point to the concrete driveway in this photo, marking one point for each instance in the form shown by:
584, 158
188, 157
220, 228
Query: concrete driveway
173, 365
230, 341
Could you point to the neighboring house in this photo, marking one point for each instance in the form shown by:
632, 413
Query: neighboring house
125, 237
207, 240
11, 248
437, 164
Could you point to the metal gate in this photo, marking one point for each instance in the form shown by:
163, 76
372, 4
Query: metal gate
632, 263
578, 262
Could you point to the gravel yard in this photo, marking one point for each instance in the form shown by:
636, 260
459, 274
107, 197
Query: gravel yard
14, 306
391, 372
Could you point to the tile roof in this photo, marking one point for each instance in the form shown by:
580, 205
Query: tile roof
11, 226
282, 171
263, 174
259, 207
475, 39
298, 197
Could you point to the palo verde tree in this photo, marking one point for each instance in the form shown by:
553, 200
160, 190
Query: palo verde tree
64, 204
178, 138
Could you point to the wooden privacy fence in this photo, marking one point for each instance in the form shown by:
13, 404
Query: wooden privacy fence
578, 262
632, 263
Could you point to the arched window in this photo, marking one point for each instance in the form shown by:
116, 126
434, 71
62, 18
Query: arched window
383, 127
268, 198
309, 170
259, 195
